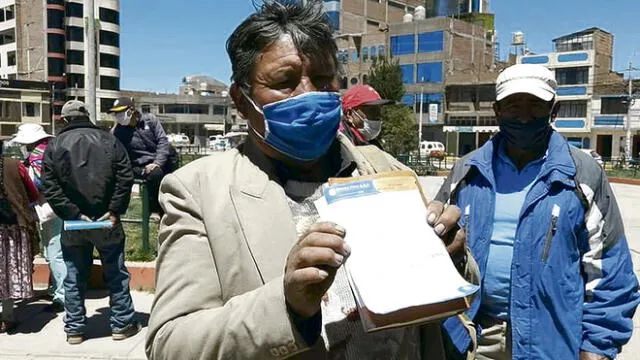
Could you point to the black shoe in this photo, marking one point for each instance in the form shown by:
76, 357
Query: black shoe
75, 339
127, 332
54, 307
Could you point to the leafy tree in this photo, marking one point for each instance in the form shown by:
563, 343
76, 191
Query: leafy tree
399, 130
399, 127
386, 77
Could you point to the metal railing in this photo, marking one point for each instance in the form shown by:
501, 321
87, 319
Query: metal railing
427, 166
144, 219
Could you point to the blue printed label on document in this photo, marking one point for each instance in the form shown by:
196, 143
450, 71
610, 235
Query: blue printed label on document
349, 191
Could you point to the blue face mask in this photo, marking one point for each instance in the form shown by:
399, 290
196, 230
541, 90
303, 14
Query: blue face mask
302, 127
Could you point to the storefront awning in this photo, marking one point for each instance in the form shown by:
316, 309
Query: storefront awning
214, 127
471, 129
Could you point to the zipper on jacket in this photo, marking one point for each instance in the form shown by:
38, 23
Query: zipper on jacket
467, 215
555, 214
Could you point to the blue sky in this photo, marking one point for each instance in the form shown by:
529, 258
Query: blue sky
163, 40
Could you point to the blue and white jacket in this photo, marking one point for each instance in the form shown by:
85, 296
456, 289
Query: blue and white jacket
572, 282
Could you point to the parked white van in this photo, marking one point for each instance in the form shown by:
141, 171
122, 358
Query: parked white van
432, 149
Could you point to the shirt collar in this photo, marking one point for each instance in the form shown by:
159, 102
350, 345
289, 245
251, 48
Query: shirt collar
504, 157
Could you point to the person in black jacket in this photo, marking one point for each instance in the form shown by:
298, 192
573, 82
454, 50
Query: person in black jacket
87, 176
149, 149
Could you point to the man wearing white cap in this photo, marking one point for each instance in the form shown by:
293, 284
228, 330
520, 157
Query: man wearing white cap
36, 140
544, 226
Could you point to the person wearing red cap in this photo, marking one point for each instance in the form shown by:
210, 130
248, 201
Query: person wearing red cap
362, 108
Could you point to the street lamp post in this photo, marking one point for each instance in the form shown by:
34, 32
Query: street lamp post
420, 116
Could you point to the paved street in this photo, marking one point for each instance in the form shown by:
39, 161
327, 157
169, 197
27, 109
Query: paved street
41, 336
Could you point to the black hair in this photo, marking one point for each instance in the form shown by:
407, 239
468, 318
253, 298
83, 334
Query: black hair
307, 25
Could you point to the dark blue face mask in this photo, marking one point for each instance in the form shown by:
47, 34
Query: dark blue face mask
302, 127
525, 136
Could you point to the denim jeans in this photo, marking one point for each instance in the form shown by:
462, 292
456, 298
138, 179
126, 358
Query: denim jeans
50, 235
79, 260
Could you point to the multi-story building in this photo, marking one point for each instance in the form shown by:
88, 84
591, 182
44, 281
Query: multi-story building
431, 44
44, 40
590, 116
202, 108
433, 53
23, 102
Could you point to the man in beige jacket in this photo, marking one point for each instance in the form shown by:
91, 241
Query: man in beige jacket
244, 269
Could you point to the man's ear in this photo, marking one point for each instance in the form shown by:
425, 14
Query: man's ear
555, 108
239, 100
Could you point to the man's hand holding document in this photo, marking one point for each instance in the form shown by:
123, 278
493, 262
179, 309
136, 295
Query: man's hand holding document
399, 269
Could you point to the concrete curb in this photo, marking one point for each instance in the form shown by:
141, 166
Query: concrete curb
624, 181
143, 275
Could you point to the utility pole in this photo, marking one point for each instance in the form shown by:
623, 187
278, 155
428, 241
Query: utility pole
91, 68
420, 117
628, 147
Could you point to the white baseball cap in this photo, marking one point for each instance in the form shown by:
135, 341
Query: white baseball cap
532, 79
30, 134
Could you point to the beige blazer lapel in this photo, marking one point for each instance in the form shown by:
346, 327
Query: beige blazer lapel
265, 218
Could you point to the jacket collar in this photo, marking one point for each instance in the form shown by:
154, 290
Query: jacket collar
558, 165
79, 124
338, 163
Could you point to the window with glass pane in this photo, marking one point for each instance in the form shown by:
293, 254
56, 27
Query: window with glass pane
573, 76
573, 109
7, 36
109, 38
218, 110
402, 45
381, 51
9, 12
75, 10
109, 61
373, 52
55, 43
428, 99
55, 19
75, 57
75, 80
30, 109
75, 33
365, 54
109, 15
109, 83
614, 105
431, 42
430, 72
55, 2
407, 73
11, 58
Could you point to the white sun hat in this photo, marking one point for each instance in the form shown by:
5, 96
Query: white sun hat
532, 79
30, 134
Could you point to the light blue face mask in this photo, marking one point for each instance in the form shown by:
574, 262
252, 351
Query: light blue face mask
302, 127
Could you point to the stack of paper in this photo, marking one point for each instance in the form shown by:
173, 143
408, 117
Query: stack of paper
399, 269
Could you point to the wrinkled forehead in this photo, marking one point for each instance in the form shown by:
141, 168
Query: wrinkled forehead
297, 50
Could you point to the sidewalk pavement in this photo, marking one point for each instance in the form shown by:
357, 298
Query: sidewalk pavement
40, 335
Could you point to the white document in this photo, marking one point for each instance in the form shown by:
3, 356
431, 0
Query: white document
397, 260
